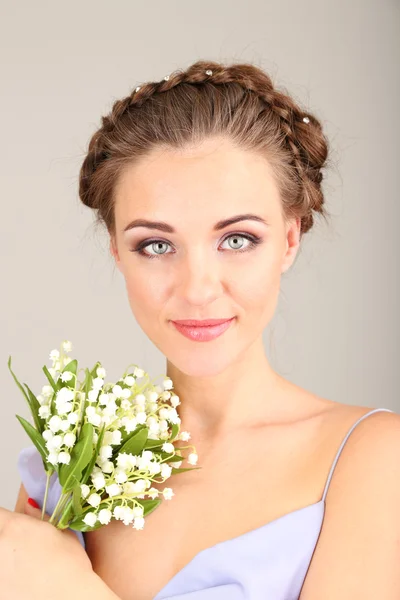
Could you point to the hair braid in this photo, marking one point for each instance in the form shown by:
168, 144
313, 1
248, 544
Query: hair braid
305, 144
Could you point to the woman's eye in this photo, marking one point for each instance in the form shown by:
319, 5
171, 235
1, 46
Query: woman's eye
159, 246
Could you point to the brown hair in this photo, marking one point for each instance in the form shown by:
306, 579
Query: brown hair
208, 99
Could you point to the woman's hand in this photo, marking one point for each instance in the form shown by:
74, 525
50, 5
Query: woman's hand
40, 562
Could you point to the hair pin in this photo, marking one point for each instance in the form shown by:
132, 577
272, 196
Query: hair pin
306, 119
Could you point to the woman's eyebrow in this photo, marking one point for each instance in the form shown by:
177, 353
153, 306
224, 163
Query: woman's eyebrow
165, 227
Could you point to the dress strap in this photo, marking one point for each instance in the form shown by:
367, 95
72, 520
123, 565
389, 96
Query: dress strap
371, 412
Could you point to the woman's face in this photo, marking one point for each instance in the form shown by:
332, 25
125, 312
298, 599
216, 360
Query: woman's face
193, 268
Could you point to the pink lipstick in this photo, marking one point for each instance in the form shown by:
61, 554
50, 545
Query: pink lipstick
203, 331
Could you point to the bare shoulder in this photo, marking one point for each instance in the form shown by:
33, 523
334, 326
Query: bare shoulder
360, 535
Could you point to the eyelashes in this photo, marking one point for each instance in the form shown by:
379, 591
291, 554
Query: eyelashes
252, 239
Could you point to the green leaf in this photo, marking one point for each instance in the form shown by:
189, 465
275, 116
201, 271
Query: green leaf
50, 379
96, 452
36, 438
76, 500
136, 442
34, 405
72, 367
181, 470
80, 458
175, 458
154, 444
174, 431
17, 382
78, 524
149, 505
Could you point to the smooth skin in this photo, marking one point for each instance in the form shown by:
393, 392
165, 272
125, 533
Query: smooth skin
233, 402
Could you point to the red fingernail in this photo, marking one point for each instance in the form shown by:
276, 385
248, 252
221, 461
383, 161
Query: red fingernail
32, 502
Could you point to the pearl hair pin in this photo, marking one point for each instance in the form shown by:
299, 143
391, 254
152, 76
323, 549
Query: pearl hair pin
209, 72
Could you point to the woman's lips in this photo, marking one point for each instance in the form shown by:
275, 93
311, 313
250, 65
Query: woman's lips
203, 331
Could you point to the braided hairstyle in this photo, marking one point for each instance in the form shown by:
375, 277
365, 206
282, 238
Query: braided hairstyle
238, 102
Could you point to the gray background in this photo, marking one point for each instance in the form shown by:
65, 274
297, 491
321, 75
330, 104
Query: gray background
336, 328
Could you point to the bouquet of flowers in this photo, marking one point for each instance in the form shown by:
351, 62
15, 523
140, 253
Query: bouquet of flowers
107, 442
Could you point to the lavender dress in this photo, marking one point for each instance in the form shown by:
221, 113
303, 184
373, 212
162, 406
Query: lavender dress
268, 562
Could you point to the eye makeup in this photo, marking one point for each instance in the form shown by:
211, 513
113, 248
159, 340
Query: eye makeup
253, 240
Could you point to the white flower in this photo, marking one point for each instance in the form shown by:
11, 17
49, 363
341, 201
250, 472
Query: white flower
44, 411
153, 493
140, 399
129, 424
95, 420
94, 500
64, 408
168, 493
140, 485
120, 476
103, 399
126, 393
66, 376
118, 512
53, 457
65, 425
113, 489
154, 468
47, 390
104, 516
54, 443
100, 372
138, 523
47, 434
175, 401
98, 383
54, 423
85, 490
165, 470
98, 481
163, 413
127, 515
64, 395
192, 458
138, 372
141, 417
117, 390
168, 385
137, 511
66, 346
105, 452
173, 416
64, 458
163, 425
177, 464
69, 439
168, 447
184, 436
54, 355
90, 519
92, 395
129, 380
73, 418
116, 437
107, 466
153, 397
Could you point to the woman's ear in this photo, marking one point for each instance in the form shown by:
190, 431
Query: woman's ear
115, 254
292, 243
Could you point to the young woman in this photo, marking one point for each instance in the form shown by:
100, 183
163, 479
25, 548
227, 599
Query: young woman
206, 182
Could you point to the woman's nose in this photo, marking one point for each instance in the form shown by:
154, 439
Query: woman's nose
200, 282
